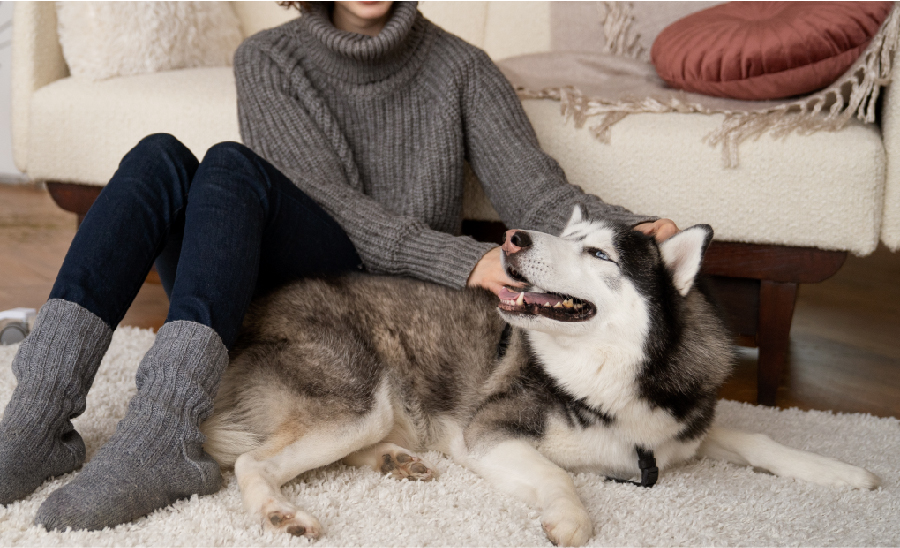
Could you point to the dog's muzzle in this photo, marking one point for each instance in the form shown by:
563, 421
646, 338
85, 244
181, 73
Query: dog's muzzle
555, 306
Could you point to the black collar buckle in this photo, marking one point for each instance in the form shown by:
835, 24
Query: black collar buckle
647, 464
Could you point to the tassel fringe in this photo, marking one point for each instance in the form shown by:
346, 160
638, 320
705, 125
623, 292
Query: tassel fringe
853, 94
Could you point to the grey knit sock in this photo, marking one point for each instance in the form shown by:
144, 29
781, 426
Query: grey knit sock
55, 367
156, 455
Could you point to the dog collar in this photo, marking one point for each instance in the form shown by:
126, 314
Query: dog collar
647, 464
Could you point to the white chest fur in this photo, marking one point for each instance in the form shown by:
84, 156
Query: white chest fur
606, 449
604, 377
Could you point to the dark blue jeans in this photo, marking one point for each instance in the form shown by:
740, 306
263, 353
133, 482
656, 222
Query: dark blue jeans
220, 231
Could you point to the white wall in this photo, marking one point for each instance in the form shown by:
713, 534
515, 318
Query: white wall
8, 171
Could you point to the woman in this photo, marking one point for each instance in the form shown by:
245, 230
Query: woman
358, 119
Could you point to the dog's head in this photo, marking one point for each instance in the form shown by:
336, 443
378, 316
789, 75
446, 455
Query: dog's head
596, 274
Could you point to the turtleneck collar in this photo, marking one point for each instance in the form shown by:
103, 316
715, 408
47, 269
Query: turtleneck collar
357, 58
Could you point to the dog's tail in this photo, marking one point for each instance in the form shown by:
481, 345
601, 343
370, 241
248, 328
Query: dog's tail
226, 440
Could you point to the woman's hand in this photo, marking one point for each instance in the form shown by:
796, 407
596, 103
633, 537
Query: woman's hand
489, 274
662, 229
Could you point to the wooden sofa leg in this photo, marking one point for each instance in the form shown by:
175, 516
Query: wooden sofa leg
776, 309
73, 197
78, 199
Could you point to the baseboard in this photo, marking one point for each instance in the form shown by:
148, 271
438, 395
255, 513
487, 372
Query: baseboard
12, 179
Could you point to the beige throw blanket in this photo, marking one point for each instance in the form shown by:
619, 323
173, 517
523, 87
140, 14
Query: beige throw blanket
605, 87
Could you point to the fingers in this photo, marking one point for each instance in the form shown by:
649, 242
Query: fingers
490, 274
498, 279
494, 288
507, 281
661, 229
666, 231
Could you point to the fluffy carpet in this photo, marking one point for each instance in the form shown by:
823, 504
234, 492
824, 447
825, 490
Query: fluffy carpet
700, 503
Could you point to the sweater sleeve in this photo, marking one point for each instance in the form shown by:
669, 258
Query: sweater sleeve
525, 185
307, 147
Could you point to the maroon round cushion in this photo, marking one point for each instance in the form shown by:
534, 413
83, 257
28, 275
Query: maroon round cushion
765, 50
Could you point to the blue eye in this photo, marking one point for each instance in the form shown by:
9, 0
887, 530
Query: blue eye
599, 253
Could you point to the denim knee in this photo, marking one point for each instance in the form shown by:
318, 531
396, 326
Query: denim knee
243, 166
157, 158
164, 145
232, 155
227, 149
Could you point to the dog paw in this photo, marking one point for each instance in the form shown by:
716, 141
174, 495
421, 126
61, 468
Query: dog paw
293, 522
867, 480
842, 474
567, 523
401, 465
833, 473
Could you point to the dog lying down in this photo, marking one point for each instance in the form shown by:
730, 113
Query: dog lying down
611, 365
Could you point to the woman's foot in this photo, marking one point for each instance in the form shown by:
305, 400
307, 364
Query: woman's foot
156, 455
118, 486
55, 366
28, 457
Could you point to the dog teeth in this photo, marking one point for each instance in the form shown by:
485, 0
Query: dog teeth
521, 300
579, 306
558, 305
547, 305
568, 303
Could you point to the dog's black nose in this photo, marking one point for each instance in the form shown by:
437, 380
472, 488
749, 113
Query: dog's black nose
520, 239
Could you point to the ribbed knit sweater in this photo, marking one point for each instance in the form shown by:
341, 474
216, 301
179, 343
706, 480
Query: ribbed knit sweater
377, 131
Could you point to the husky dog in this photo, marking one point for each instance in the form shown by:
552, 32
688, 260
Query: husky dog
613, 360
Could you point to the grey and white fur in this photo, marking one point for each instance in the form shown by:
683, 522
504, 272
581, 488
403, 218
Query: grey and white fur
613, 347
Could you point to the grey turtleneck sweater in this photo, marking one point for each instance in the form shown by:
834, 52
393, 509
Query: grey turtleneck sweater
377, 131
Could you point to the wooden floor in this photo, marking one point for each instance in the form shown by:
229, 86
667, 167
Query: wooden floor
845, 342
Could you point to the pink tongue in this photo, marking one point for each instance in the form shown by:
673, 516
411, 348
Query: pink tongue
506, 294
531, 298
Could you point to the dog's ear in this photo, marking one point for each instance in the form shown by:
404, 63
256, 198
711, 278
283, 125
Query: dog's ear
577, 215
683, 254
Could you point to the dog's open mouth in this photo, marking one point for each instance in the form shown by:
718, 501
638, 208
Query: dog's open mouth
555, 306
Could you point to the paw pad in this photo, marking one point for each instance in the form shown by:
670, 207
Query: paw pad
296, 530
298, 524
276, 518
403, 466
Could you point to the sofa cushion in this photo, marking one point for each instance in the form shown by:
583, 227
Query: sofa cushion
106, 39
258, 16
890, 135
80, 130
621, 28
765, 50
823, 189
502, 29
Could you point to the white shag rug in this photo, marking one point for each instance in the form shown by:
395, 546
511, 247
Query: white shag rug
702, 503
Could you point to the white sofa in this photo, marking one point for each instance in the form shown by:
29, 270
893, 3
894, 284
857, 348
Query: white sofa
788, 213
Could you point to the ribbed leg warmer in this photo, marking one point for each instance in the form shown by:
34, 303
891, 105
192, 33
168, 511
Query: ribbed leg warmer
156, 455
55, 367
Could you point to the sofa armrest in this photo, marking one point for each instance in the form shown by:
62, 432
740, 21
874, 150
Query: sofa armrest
890, 135
37, 60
